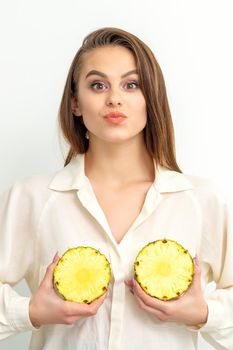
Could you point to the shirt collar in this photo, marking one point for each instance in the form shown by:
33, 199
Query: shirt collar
72, 177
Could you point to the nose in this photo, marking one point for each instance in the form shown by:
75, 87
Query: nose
114, 99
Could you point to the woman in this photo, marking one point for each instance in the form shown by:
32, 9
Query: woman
120, 189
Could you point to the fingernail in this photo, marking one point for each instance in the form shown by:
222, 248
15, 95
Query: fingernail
196, 260
129, 284
55, 257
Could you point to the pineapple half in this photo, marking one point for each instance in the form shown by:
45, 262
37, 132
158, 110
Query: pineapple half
164, 269
82, 275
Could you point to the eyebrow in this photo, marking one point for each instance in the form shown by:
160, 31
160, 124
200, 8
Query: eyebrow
103, 75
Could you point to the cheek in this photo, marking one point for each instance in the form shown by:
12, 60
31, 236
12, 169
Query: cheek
90, 104
142, 108
87, 109
84, 98
141, 102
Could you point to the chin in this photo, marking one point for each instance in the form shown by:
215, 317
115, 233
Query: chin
119, 137
124, 139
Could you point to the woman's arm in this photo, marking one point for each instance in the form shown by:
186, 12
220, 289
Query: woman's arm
20, 211
217, 253
212, 314
16, 254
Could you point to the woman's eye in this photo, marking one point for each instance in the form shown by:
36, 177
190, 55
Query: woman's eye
132, 85
98, 86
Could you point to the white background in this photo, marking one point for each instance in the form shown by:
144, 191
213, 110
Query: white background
192, 40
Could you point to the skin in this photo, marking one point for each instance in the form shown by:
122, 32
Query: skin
117, 160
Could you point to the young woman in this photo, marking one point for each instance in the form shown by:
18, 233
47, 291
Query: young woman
120, 189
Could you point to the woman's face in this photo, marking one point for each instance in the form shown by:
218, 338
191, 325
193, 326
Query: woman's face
108, 82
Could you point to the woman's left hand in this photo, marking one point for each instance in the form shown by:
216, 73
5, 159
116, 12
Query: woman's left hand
190, 308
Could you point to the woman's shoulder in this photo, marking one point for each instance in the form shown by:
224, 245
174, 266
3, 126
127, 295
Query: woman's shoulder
26, 197
173, 181
207, 190
34, 183
30, 188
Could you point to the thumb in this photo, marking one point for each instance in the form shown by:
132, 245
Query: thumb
197, 274
197, 268
56, 258
48, 277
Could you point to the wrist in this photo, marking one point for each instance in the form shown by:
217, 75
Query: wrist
201, 321
204, 317
32, 314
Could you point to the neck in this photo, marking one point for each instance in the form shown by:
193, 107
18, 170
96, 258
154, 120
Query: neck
119, 163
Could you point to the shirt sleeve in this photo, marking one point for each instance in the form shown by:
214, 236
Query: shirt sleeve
216, 253
16, 256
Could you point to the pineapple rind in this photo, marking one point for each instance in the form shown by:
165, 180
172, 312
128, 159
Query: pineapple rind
82, 275
162, 285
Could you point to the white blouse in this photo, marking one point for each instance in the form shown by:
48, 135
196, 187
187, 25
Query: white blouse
44, 214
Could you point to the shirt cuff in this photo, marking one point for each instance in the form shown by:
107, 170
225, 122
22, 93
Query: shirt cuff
18, 312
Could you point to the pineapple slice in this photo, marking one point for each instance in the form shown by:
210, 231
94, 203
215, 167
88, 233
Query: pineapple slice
82, 275
164, 269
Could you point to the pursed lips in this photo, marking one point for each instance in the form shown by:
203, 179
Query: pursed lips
115, 115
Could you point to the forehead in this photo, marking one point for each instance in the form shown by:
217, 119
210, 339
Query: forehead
109, 59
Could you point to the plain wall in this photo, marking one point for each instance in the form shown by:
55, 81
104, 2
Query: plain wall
192, 41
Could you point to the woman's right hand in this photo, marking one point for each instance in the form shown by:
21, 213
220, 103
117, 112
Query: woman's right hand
46, 307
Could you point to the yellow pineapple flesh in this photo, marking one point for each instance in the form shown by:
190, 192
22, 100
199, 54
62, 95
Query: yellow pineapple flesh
164, 269
82, 275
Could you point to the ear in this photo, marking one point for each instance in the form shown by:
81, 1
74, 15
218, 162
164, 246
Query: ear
75, 107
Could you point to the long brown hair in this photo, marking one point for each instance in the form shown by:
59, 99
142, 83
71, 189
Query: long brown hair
158, 132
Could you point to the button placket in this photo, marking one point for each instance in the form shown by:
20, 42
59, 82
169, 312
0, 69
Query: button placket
118, 301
